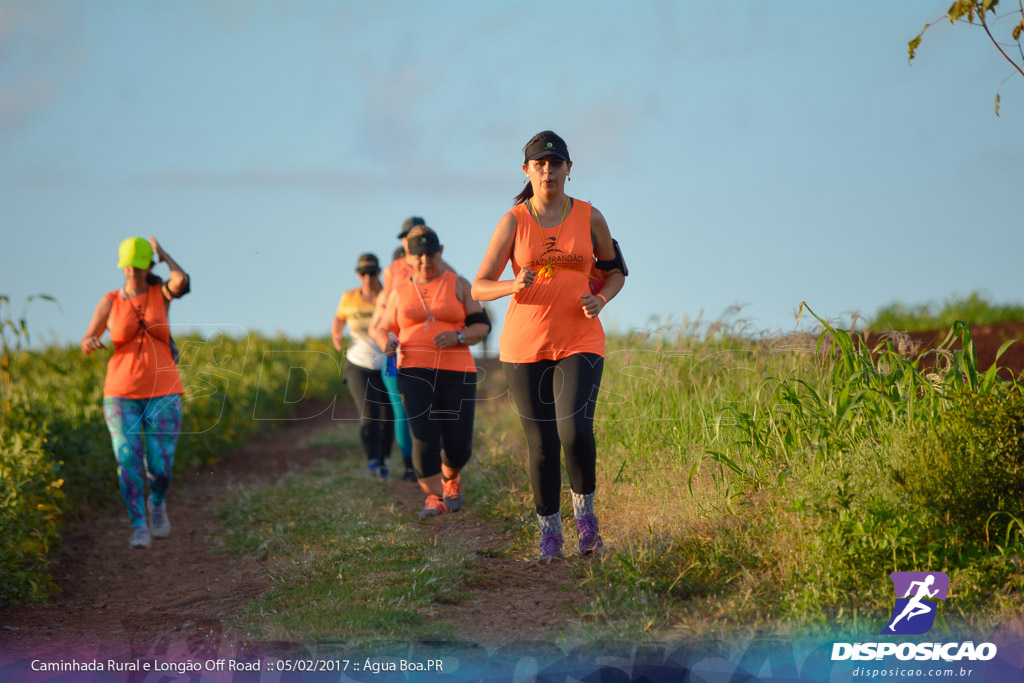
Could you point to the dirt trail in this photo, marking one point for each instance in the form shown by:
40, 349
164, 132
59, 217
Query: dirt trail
180, 595
517, 600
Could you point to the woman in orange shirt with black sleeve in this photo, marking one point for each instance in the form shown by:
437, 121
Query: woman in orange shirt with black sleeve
435, 321
567, 268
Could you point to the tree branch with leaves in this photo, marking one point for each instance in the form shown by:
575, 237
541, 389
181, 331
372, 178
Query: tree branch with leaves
966, 11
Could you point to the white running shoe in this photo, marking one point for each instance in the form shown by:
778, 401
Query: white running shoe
140, 537
158, 519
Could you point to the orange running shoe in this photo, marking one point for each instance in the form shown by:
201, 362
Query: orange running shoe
433, 506
452, 493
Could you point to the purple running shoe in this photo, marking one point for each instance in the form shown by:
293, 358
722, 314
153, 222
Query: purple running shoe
590, 538
550, 546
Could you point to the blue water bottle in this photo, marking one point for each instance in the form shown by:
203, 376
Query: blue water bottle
391, 369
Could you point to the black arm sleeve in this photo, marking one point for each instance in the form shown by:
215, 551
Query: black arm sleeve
480, 317
184, 290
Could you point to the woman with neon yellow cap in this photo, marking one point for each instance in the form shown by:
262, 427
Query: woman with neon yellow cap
566, 269
142, 391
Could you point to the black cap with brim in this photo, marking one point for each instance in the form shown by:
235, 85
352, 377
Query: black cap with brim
424, 244
410, 223
368, 263
547, 146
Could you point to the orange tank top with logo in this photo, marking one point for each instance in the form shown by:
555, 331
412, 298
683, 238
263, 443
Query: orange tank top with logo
142, 365
546, 321
425, 310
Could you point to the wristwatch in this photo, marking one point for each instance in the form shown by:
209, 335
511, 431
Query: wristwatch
462, 340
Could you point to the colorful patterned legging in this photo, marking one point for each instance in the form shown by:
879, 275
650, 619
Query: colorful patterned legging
144, 433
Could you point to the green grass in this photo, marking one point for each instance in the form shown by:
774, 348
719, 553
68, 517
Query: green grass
341, 560
751, 485
340, 437
55, 449
973, 310
745, 486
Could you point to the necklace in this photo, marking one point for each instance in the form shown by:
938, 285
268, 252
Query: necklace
536, 216
548, 269
423, 303
140, 314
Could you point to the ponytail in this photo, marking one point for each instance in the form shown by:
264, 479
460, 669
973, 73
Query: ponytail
526, 193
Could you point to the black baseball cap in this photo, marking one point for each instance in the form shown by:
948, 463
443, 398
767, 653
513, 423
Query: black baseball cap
545, 144
367, 263
424, 242
410, 223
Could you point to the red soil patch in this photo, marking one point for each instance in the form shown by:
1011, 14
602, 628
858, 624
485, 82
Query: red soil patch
987, 340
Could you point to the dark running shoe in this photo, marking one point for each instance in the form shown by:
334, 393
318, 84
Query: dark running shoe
410, 474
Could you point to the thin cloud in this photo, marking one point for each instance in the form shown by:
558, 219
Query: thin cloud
20, 102
414, 177
999, 161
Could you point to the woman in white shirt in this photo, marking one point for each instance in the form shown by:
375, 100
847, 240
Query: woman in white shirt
365, 360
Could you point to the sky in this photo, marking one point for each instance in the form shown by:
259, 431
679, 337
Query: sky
744, 153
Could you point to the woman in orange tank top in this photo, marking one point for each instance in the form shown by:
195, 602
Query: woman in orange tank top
434, 320
552, 342
142, 391
401, 268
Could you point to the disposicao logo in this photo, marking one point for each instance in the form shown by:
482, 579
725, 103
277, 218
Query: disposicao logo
917, 596
916, 593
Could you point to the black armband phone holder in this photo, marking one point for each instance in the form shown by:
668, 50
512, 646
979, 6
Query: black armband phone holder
616, 262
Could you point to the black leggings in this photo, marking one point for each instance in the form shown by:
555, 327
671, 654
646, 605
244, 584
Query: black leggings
439, 405
556, 401
376, 420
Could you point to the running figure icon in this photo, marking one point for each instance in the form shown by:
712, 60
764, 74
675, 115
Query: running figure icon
916, 606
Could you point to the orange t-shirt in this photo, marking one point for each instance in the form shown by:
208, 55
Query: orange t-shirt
142, 365
416, 334
546, 321
400, 270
